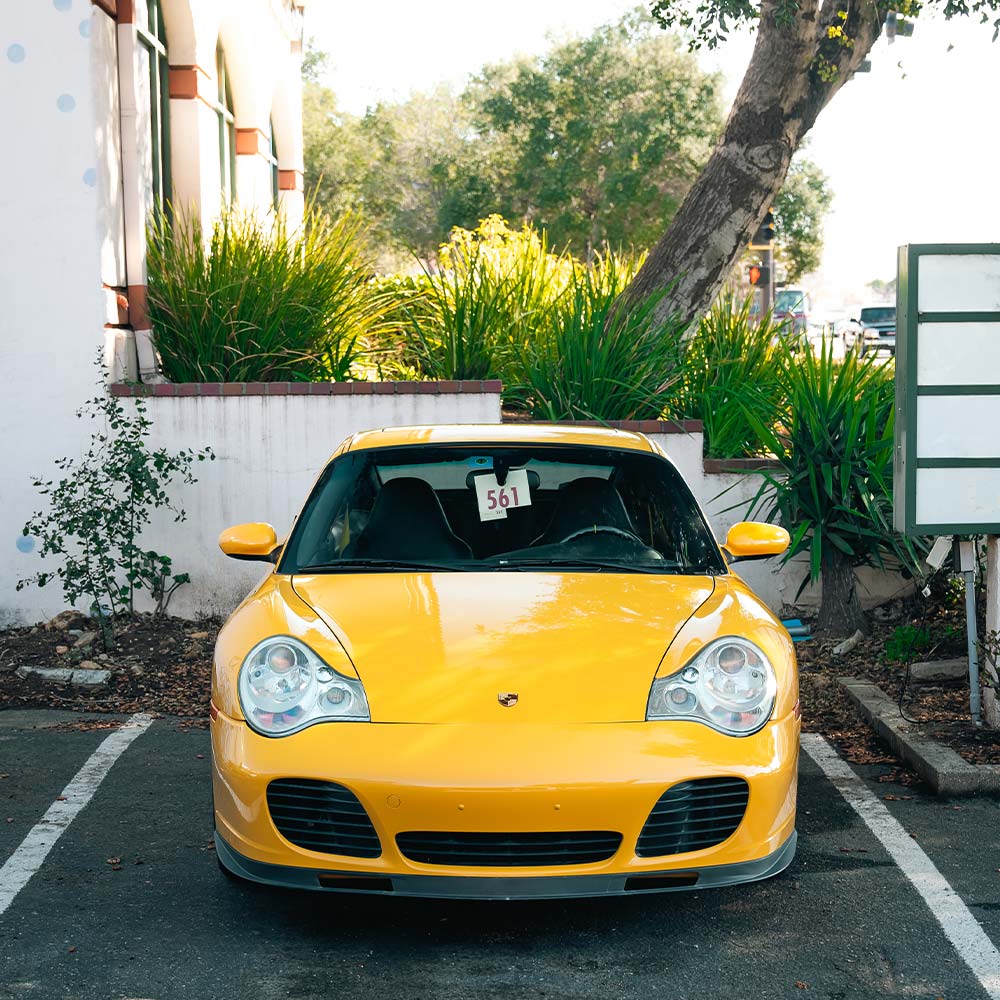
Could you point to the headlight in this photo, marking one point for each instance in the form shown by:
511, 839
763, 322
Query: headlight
284, 687
729, 685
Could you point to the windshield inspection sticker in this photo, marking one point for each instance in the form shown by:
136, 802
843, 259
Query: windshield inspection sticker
495, 500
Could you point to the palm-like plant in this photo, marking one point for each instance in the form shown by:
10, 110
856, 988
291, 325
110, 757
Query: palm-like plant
834, 490
730, 367
593, 361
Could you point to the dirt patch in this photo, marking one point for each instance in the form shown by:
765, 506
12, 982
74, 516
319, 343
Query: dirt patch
157, 664
914, 630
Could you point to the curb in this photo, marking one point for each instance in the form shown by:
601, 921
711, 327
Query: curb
941, 767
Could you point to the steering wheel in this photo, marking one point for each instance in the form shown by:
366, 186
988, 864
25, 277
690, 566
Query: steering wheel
605, 529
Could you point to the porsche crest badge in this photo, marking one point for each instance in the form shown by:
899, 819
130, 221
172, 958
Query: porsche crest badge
507, 698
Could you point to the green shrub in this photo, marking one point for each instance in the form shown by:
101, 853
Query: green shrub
258, 302
834, 490
588, 361
97, 510
729, 368
494, 288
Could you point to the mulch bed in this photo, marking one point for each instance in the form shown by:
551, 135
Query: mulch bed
941, 711
163, 666
160, 665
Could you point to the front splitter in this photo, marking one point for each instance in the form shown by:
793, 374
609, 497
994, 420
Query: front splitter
504, 887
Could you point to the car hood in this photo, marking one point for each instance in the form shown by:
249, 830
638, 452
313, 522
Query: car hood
442, 647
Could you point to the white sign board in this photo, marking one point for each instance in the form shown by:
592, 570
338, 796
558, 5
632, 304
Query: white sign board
947, 459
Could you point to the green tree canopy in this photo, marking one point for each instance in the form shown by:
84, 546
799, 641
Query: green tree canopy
798, 214
597, 140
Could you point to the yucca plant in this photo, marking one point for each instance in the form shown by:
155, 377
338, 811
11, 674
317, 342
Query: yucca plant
592, 361
730, 368
257, 302
834, 489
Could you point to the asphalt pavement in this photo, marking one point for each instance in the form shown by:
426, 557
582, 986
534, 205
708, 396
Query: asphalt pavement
129, 903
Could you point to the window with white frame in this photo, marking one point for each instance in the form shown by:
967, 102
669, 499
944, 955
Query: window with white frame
227, 129
153, 48
272, 159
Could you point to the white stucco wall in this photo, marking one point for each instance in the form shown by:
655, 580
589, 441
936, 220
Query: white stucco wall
59, 216
269, 450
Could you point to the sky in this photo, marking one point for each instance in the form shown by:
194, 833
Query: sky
912, 149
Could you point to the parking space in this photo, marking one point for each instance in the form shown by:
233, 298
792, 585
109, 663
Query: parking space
130, 903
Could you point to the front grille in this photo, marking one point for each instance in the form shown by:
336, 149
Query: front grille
322, 816
694, 815
505, 850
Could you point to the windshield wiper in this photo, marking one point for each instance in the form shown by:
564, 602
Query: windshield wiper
378, 565
598, 564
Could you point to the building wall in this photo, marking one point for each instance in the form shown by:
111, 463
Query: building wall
75, 190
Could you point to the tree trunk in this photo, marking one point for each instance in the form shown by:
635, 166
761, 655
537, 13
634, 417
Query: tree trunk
795, 69
840, 611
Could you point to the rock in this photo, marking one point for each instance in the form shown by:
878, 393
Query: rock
103, 657
64, 620
61, 650
197, 635
91, 679
86, 639
74, 631
89, 665
34, 631
936, 671
137, 670
848, 644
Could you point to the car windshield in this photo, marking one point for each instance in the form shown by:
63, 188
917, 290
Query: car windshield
879, 314
790, 300
500, 509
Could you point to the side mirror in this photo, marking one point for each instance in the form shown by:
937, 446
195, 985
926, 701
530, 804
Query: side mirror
755, 540
255, 542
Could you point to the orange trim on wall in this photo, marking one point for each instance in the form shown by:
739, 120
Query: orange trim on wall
138, 317
186, 83
251, 141
291, 180
125, 11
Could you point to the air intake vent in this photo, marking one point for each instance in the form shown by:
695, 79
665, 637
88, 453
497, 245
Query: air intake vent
694, 815
505, 850
322, 816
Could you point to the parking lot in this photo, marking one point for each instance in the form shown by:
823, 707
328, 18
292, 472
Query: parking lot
129, 902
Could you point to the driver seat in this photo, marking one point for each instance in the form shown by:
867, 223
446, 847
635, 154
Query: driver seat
582, 504
408, 522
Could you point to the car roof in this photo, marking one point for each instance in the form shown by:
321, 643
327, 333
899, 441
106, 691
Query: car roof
504, 434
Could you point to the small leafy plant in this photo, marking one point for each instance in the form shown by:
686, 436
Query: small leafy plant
98, 509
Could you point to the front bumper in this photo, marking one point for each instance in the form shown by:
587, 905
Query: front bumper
504, 778
506, 887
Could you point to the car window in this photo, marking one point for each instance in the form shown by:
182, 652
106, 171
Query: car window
790, 300
879, 314
475, 507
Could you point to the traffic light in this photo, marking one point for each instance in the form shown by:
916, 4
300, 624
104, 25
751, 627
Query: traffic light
758, 275
764, 236
754, 274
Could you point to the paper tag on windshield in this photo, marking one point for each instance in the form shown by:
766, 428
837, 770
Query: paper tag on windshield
495, 500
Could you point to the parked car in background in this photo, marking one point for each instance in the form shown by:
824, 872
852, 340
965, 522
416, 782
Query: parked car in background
791, 306
873, 330
503, 661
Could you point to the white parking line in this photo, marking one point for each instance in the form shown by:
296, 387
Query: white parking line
41, 838
960, 926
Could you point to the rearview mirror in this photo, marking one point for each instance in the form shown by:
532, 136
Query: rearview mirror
255, 542
755, 540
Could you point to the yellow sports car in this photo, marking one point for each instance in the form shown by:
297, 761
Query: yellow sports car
503, 661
